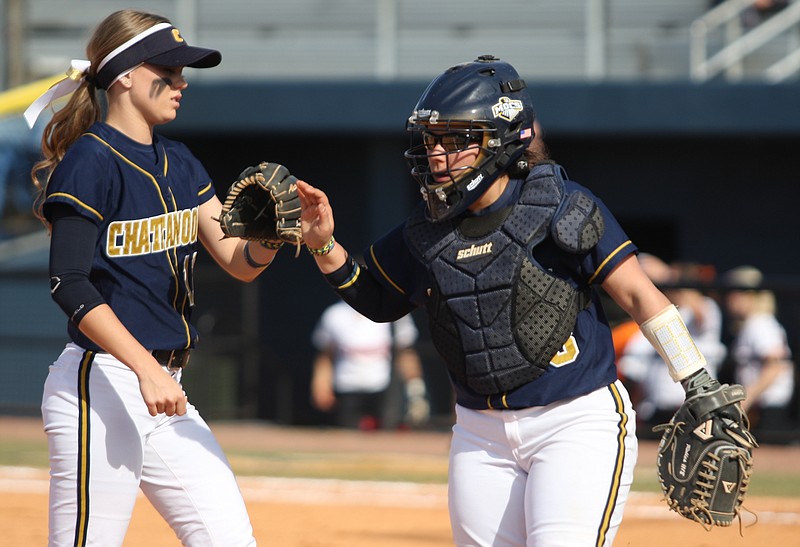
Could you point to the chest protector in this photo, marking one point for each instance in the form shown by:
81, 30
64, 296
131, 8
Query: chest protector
496, 316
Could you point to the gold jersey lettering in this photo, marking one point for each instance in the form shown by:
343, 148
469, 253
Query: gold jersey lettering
173, 229
114, 240
152, 235
195, 223
158, 228
129, 234
186, 227
142, 243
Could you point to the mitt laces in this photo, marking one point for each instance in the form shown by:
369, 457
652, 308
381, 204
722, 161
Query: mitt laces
705, 483
700, 511
293, 234
671, 428
700, 502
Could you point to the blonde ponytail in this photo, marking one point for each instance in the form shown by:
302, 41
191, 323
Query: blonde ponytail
61, 132
83, 108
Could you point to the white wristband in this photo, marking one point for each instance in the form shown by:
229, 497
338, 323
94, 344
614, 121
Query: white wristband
668, 334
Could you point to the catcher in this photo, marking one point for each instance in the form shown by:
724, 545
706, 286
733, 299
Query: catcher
262, 205
504, 254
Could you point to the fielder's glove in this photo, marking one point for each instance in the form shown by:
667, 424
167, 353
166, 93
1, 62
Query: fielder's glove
705, 454
262, 205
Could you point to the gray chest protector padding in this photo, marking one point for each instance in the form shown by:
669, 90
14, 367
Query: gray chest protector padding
497, 318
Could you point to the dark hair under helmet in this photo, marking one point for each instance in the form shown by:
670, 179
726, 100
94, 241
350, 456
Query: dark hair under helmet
483, 104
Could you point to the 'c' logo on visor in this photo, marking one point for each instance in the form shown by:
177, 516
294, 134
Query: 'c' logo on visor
176, 34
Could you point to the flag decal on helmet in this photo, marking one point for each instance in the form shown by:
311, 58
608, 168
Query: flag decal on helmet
507, 108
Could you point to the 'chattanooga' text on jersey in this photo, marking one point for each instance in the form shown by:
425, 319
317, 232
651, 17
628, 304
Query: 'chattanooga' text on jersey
152, 235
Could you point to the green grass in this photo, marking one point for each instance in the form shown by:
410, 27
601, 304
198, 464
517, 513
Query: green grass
762, 482
378, 467
24, 453
326, 465
766, 483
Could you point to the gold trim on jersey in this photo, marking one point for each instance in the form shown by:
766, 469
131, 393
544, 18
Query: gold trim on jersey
82, 520
619, 466
353, 278
383, 273
608, 258
174, 252
143, 171
79, 202
172, 259
205, 190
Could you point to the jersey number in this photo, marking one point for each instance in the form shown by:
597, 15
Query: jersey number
188, 276
568, 354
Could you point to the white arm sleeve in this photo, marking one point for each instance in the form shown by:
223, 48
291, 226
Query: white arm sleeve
668, 334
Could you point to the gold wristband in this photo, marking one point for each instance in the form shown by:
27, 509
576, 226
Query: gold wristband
323, 250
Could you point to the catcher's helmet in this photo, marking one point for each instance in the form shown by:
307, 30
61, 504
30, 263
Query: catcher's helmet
481, 104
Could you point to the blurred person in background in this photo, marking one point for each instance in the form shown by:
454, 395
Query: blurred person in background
757, 12
762, 10
357, 363
760, 350
655, 395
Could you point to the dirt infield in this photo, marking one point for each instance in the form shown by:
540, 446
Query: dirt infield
319, 512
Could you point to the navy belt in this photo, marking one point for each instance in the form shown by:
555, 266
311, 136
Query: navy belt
172, 358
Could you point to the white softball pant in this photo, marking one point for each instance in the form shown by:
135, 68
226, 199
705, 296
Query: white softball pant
557, 475
104, 446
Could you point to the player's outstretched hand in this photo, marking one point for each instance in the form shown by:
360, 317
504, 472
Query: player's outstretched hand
316, 217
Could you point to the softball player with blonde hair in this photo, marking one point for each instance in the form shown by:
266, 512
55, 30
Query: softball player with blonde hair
126, 209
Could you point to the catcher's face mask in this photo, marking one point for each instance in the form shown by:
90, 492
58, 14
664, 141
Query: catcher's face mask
447, 162
479, 108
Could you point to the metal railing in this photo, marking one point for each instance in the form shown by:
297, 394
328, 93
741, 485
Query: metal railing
383, 40
739, 43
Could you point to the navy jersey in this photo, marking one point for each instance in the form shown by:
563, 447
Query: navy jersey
145, 202
586, 361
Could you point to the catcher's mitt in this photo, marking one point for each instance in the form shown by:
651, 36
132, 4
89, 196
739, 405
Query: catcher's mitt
262, 205
705, 456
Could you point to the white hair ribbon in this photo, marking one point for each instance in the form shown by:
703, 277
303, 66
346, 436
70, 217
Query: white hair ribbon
75, 77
